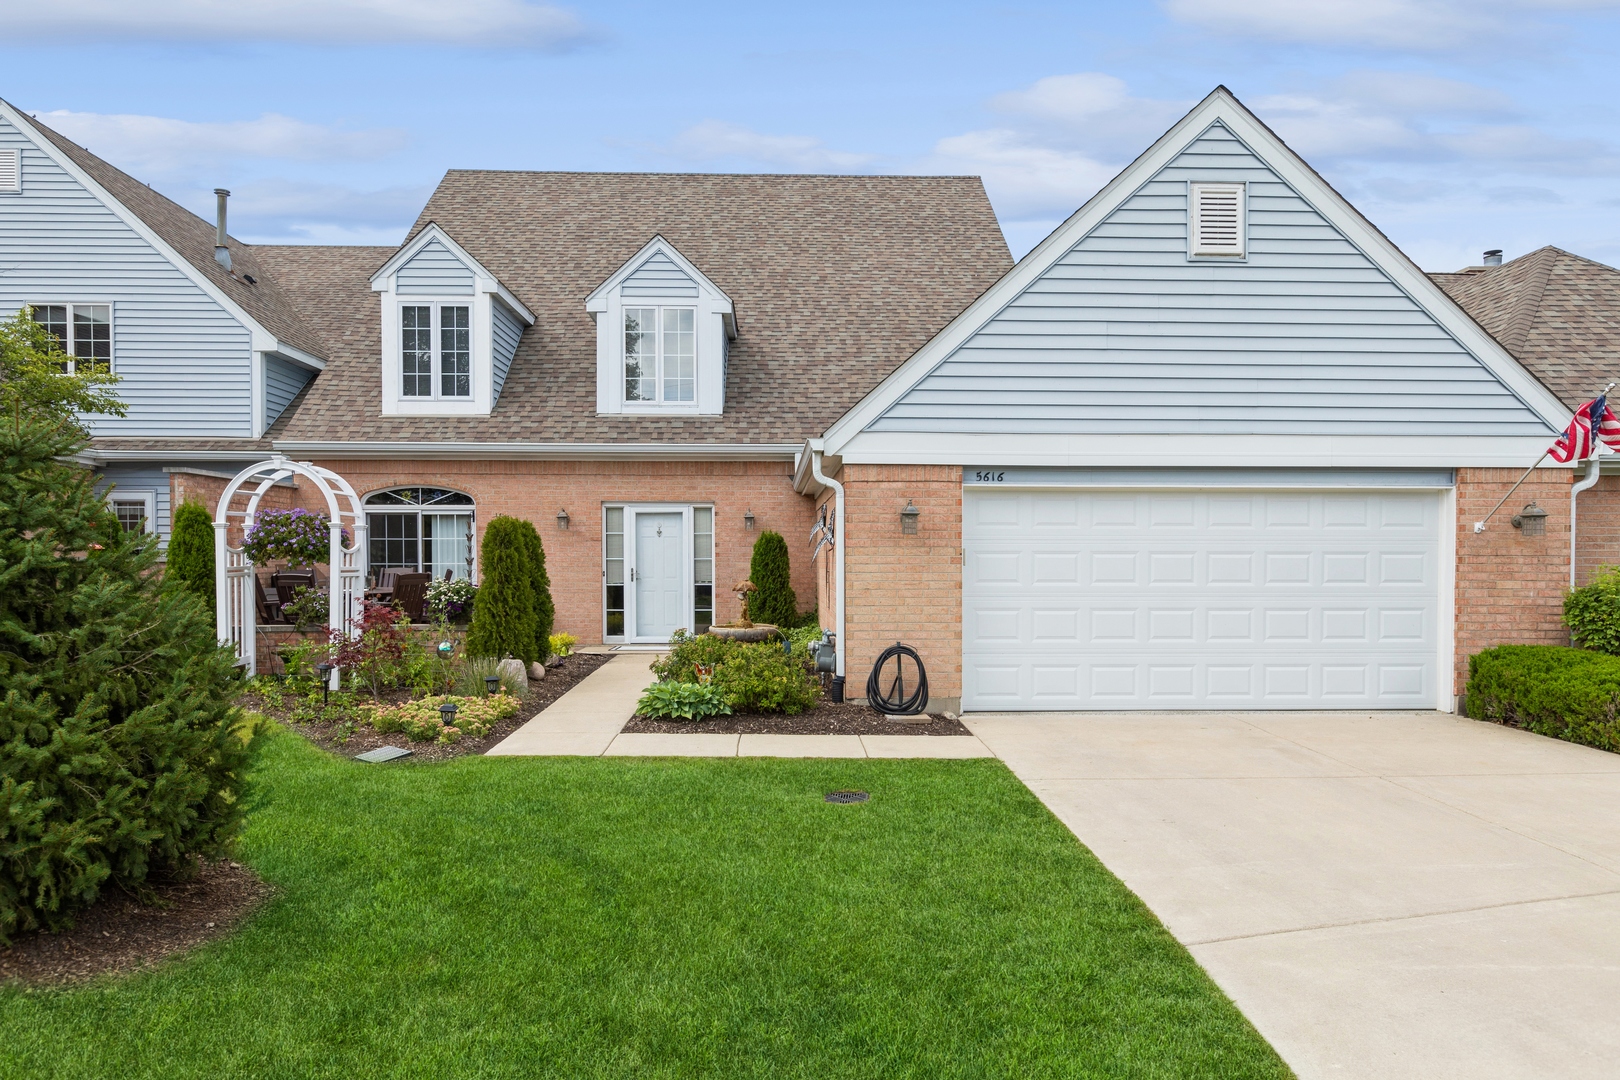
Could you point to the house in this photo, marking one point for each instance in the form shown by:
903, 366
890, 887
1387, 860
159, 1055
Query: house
1215, 443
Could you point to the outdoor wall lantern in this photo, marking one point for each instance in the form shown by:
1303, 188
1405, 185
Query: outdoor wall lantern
908, 519
562, 519
1532, 521
748, 520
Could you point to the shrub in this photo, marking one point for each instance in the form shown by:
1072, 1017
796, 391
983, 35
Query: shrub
545, 611
191, 550
299, 536
421, 720
682, 701
122, 755
563, 644
760, 678
450, 601
375, 657
1570, 694
471, 671
1592, 612
688, 652
772, 600
308, 608
504, 612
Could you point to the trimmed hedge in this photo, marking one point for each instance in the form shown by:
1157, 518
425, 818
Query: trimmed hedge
1592, 612
1569, 694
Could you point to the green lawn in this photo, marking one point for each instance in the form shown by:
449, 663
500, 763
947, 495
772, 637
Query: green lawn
683, 918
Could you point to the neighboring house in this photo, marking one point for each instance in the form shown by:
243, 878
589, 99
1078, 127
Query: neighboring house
1215, 443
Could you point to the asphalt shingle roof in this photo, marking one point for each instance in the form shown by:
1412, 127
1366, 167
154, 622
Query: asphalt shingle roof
1557, 313
193, 238
836, 280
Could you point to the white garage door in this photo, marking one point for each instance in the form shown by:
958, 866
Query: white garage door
1109, 599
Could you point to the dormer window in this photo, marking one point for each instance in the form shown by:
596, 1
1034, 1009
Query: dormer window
660, 354
663, 335
449, 326
450, 330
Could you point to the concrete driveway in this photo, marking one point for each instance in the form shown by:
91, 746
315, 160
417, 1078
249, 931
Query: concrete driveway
1383, 895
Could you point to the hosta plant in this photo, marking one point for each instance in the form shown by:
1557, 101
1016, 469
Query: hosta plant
682, 701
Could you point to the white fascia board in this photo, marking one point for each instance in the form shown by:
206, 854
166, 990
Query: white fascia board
597, 300
486, 281
263, 339
108, 457
1220, 106
1326, 451
544, 451
298, 356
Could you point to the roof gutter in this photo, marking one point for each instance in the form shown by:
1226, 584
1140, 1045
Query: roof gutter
543, 451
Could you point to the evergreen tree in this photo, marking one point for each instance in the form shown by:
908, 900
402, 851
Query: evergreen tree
121, 753
773, 600
504, 611
545, 610
191, 550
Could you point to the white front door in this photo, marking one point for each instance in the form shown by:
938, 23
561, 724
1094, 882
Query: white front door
1166, 599
660, 574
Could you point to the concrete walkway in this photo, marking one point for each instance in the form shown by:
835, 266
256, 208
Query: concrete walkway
1384, 895
587, 719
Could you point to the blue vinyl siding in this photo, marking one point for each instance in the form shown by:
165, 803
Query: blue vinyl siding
1126, 334
185, 362
434, 271
138, 479
282, 381
507, 330
658, 276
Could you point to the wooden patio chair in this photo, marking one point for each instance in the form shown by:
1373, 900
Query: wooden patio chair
410, 594
288, 582
267, 601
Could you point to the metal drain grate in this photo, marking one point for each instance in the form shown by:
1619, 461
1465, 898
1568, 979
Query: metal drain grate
847, 796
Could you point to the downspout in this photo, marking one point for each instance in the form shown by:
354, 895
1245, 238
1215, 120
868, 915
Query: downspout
1593, 475
839, 538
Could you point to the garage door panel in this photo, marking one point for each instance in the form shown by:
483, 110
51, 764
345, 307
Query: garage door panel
1200, 600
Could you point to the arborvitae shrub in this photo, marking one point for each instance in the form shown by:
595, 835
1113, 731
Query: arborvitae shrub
121, 752
505, 611
191, 550
545, 611
772, 600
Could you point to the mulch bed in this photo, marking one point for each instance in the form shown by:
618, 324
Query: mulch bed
119, 934
825, 719
561, 677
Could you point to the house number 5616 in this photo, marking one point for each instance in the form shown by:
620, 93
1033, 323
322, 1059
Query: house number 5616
989, 477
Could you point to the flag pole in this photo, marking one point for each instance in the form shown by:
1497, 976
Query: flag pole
1479, 526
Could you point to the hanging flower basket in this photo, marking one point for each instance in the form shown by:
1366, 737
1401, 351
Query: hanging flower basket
297, 535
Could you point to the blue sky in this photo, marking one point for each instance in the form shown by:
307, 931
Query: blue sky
1455, 125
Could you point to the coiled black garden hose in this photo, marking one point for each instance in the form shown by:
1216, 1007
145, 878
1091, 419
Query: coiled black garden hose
896, 702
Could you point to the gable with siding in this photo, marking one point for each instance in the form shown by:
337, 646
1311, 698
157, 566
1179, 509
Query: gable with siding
184, 361
658, 276
1125, 334
434, 271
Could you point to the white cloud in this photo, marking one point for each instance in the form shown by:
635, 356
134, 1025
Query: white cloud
277, 210
1419, 25
1022, 176
1090, 105
164, 146
327, 22
716, 140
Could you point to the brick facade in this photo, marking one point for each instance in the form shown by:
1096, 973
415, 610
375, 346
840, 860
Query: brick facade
1510, 587
899, 587
1597, 529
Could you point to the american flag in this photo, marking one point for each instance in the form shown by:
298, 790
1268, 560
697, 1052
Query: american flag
1575, 444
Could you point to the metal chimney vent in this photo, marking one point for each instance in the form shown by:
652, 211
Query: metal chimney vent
222, 254
1493, 257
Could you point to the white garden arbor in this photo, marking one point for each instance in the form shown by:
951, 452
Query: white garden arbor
235, 587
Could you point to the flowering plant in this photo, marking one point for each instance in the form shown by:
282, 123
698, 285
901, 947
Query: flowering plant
452, 600
421, 719
296, 535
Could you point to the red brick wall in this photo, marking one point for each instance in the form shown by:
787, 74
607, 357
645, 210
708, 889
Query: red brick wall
904, 588
1510, 587
536, 490
1597, 528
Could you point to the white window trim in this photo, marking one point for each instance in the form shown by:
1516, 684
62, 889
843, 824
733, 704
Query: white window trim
16, 157
80, 301
687, 540
661, 406
149, 497
1195, 248
436, 345
418, 510
479, 403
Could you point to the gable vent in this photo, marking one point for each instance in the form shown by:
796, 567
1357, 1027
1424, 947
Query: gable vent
1219, 222
10, 171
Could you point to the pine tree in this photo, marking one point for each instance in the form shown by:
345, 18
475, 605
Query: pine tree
545, 609
504, 611
191, 550
773, 600
121, 752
